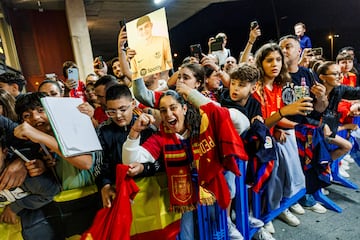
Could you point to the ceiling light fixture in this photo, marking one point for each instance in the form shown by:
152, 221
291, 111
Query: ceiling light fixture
158, 1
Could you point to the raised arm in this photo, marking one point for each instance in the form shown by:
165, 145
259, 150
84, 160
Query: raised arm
132, 151
301, 106
143, 94
253, 35
122, 51
210, 62
26, 131
240, 121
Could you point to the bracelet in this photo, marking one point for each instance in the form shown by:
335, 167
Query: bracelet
251, 43
280, 114
124, 49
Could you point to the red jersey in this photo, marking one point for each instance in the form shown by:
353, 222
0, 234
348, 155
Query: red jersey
100, 115
270, 100
349, 79
78, 92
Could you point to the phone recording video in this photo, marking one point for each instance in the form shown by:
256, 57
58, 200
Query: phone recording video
195, 51
73, 73
317, 51
217, 44
100, 63
122, 23
254, 24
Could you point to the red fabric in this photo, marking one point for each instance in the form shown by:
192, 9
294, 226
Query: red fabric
270, 100
178, 171
157, 95
169, 233
344, 109
349, 79
78, 92
154, 145
219, 145
115, 222
100, 115
181, 188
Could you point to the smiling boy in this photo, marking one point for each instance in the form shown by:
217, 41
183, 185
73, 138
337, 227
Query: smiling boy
120, 108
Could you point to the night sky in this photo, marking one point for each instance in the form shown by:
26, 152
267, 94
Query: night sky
276, 18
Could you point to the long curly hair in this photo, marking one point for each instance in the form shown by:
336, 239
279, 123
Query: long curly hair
192, 117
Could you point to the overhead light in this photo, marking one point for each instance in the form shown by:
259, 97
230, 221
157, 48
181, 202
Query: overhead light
158, 1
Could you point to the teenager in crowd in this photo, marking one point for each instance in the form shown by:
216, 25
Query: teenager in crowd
287, 177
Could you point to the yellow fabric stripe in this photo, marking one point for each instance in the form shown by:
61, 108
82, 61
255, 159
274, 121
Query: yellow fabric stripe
175, 155
73, 194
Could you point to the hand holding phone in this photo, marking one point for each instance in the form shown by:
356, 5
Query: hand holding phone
99, 62
254, 24
195, 51
217, 44
317, 51
122, 23
73, 73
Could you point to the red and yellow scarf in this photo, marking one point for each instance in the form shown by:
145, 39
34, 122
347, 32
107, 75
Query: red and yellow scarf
213, 152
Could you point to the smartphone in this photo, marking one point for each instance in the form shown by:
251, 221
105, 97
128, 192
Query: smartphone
122, 23
254, 24
217, 45
195, 51
100, 65
317, 51
73, 73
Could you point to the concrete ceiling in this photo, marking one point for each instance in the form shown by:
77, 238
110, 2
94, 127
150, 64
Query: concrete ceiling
103, 15
203, 18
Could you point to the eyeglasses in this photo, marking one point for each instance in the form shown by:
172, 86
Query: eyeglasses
114, 112
336, 74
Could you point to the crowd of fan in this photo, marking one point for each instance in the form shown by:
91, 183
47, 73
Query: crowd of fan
174, 121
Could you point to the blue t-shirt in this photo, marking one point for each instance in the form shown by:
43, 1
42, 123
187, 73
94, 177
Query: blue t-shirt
305, 42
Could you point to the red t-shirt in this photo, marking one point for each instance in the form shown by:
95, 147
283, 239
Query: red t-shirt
100, 115
349, 80
271, 101
78, 92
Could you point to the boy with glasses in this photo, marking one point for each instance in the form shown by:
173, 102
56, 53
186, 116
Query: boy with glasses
122, 113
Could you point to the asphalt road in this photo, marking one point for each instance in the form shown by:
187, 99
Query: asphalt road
331, 225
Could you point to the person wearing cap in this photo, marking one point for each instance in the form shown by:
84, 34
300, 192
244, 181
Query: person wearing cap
154, 54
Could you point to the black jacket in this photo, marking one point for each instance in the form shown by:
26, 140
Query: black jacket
330, 115
251, 109
112, 138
